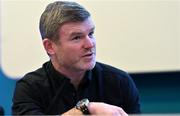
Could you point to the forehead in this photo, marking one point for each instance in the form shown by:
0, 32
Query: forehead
79, 27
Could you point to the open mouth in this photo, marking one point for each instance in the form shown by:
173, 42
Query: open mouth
88, 55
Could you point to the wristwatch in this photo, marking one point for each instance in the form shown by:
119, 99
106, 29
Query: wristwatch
82, 105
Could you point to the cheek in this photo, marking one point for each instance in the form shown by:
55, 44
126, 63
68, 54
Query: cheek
70, 50
73, 51
94, 42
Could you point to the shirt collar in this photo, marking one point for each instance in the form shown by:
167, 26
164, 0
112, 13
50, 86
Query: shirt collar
60, 77
87, 78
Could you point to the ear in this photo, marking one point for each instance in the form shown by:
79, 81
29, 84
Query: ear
48, 46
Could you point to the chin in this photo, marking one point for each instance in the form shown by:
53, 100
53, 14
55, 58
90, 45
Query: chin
90, 66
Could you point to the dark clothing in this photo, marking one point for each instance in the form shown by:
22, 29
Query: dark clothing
46, 91
1, 111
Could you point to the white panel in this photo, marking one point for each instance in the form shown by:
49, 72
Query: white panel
133, 35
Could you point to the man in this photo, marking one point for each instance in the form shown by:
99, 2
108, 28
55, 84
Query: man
1, 111
72, 82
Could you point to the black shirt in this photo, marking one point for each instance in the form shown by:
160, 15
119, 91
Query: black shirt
46, 91
1, 111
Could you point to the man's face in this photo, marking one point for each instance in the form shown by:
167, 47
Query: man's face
76, 50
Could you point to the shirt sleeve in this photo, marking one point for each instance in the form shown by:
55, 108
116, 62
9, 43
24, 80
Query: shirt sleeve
25, 100
131, 96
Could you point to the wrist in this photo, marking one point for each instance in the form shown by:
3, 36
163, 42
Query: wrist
73, 111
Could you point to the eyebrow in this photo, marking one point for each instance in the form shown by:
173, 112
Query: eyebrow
80, 33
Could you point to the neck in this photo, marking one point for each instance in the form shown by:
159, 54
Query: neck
74, 75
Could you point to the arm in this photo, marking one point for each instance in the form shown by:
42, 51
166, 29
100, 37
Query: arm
98, 108
26, 100
131, 96
73, 111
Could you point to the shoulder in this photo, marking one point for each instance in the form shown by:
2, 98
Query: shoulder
111, 75
34, 84
118, 84
110, 70
37, 76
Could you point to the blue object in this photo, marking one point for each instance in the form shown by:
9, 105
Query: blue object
6, 92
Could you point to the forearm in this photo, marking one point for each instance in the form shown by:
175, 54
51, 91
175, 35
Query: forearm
97, 108
73, 111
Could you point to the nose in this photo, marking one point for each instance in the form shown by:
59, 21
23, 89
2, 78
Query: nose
89, 42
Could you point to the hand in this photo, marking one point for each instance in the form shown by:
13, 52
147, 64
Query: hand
98, 108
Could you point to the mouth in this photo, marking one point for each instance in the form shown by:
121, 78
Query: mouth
89, 54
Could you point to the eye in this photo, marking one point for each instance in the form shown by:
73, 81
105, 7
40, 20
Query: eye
76, 38
91, 34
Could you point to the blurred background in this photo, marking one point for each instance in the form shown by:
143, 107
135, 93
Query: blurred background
141, 37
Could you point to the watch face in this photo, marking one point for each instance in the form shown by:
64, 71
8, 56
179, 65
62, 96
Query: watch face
82, 104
